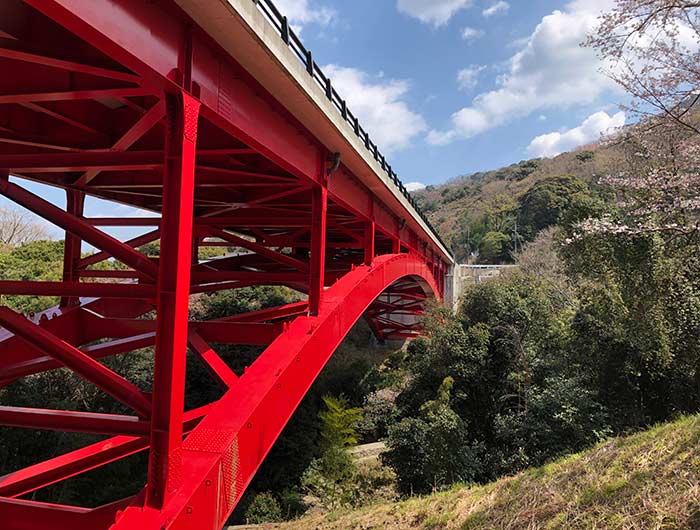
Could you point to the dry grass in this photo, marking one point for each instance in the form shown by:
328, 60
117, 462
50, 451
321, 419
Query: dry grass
648, 481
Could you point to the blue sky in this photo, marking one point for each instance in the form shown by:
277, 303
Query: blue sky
450, 87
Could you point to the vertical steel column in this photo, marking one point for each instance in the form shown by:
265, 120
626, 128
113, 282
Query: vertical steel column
317, 268
173, 298
441, 278
370, 229
75, 204
396, 240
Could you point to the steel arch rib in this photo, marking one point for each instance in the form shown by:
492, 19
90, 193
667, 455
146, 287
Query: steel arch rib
222, 454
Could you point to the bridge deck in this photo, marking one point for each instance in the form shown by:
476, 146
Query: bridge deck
204, 120
260, 39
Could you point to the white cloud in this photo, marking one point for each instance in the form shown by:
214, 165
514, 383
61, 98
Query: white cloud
469, 77
550, 70
591, 130
471, 33
301, 12
379, 105
498, 8
434, 12
95, 207
415, 186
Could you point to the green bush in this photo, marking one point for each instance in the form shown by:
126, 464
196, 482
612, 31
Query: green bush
264, 508
433, 450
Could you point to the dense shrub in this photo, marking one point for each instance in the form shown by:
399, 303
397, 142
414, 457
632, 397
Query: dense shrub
264, 508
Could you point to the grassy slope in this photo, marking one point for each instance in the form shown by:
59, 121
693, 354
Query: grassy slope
647, 481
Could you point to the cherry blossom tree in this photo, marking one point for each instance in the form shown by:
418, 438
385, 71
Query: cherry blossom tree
651, 48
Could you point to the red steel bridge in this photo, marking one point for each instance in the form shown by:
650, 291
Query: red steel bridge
212, 115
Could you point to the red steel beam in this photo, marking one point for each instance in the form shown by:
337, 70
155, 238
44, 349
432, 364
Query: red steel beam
220, 331
81, 161
75, 205
319, 209
249, 418
65, 119
262, 278
74, 95
76, 289
111, 274
124, 221
71, 357
69, 465
164, 477
71, 66
30, 515
247, 221
369, 242
96, 351
70, 223
217, 368
82, 460
136, 242
259, 249
130, 137
71, 421
249, 333
275, 313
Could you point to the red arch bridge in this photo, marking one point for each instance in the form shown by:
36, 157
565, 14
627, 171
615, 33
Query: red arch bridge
212, 115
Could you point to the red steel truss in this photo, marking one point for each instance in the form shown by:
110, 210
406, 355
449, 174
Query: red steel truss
129, 101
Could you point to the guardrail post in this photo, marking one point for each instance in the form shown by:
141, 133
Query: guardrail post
310, 63
285, 30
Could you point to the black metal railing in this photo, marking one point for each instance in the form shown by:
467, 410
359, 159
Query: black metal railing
281, 23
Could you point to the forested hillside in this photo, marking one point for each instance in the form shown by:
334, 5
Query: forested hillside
487, 216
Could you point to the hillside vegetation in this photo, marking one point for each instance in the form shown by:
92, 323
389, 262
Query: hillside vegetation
649, 481
466, 208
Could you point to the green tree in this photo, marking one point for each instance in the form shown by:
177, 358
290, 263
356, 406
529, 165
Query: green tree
432, 450
635, 325
554, 201
494, 248
35, 261
328, 478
